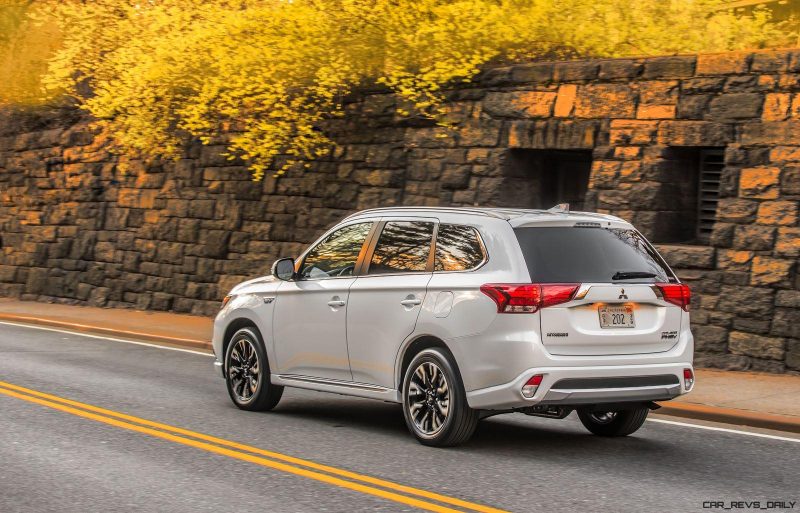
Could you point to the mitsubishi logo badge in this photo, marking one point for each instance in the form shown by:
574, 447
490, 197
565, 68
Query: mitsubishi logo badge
622, 294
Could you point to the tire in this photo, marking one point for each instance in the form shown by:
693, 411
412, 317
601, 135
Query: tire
615, 423
246, 355
434, 401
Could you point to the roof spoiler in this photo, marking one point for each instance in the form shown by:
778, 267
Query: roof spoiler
561, 208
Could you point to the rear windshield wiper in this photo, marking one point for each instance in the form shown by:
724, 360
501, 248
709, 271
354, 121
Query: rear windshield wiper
632, 275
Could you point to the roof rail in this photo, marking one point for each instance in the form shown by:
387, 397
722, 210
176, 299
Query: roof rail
478, 211
560, 208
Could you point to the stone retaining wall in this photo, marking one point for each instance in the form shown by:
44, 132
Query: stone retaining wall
177, 235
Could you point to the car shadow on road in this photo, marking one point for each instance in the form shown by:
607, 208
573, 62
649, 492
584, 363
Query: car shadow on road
513, 433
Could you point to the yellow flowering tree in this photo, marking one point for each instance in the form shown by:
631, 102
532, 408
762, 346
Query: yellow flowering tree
266, 74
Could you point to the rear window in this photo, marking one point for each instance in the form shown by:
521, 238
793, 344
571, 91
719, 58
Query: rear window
580, 255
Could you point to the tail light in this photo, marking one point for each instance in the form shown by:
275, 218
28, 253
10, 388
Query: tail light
531, 386
688, 379
676, 293
528, 297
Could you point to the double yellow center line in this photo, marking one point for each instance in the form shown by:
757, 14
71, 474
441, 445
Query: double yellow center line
374, 486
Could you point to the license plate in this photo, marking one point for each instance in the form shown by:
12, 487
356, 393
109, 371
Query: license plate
616, 317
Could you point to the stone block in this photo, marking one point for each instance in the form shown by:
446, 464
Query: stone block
732, 260
748, 344
572, 71
737, 210
728, 362
695, 133
771, 133
565, 100
695, 86
788, 242
785, 154
782, 213
759, 182
735, 106
769, 62
669, 67
746, 301
605, 100
620, 69
632, 132
483, 133
793, 354
698, 257
790, 181
786, 323
771, 271
776, 106
749, 325
754, 237
455, 176
788, 298
535, 73
520, 104
723, 63
710, 338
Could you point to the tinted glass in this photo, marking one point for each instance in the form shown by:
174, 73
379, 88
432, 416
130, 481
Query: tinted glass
573, 255
458, 248
337, 254
403, 247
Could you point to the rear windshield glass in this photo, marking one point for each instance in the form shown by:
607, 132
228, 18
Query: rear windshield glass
582, 255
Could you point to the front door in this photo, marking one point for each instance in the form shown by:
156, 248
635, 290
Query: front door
310, 323
386, 301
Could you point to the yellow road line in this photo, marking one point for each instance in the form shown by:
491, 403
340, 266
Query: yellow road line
106, 416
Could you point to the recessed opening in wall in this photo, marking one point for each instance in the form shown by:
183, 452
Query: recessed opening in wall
544, 178
693, 187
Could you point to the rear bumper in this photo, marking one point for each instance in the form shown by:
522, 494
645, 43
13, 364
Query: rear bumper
586, 385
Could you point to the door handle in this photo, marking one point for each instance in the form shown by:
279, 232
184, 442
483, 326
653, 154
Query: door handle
411, 302
336, 303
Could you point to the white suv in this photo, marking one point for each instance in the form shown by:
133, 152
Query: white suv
463, 313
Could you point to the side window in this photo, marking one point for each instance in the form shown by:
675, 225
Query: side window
403, 247
337, 254
458, 248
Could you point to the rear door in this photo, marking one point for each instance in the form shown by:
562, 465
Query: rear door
617, 308
386, 299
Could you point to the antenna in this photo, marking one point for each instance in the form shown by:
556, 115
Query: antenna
561, 208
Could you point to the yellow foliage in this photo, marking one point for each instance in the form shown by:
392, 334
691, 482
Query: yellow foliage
265, 74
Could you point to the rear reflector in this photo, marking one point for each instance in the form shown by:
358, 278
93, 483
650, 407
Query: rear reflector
528, 297
530, 387
676, 293
688, 379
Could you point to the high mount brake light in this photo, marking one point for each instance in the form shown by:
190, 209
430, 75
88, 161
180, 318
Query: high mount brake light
676, 293
528, 297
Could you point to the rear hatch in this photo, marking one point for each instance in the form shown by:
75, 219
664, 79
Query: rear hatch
625, 295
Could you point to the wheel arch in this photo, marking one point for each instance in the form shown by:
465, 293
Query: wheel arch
413, 348
234, 326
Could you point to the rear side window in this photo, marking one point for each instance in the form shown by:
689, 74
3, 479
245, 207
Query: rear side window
403, 247
458, 248
581, 255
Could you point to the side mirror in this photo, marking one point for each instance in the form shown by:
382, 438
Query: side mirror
283, 269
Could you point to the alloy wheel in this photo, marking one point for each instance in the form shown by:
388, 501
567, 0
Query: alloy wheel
428, 400
244, 370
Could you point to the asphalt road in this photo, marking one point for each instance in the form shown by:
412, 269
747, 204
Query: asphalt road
54, 459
